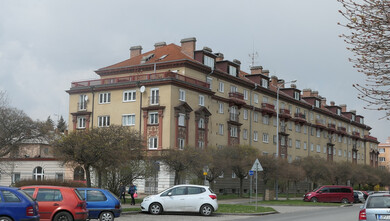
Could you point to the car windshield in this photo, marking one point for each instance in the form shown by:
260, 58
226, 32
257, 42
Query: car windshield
379, 202
25, 194
78, 194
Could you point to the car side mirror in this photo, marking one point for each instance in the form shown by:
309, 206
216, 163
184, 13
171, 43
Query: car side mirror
169, 194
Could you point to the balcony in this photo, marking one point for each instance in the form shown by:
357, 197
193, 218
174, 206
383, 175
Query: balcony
332, 127
233, 117
268, 109
342, 130
320, 123
355, 134
299, 118
141, 77
236, 98
284, 113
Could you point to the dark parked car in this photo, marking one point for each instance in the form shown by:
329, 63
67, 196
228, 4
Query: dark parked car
376, 207
101, 204
16, 205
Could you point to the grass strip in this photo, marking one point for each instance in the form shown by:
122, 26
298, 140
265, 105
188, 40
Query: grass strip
230, 208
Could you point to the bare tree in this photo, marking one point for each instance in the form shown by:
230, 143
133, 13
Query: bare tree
369, 22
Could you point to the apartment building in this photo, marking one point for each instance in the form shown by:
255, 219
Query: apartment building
384, 154
180, 96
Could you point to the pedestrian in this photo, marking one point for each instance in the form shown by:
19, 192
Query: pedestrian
132, 191
122, 192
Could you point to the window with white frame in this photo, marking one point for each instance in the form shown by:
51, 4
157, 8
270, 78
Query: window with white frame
297, 95
325, 149
266, 119
304, 145
245, 134
233, 131
232, 70
305, 129
201, 123
220, 109
318, 148
83, 102
104, 98
317, 103
38, 173
338, 111
129, 96
265, 99
290, 125
245, 114
255, 117
340, 152
298, 144
233, 89
200, 144
154, 96
209, 80
153, 117
318, 132
103, 121
289, 142
264, 83
221, 87
181, 120
220, 129
274, 121
245, 94
209, 61
182, 95
256, 98
15, 177
181, 143
81, 122
128, 119
283, 141
201, 100
265, 137
274, 139
233, 175
152, 143
297, 128
312, 147
255, 136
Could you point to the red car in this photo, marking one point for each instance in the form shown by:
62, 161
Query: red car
58, 203
343, 194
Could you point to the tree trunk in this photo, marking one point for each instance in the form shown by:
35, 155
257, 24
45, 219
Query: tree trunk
287, 189
176, 182
99, 178
88, 175
241, 185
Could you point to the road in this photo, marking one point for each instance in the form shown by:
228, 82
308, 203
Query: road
287, 213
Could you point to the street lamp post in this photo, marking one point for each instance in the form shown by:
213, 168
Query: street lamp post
277, 130
141, 90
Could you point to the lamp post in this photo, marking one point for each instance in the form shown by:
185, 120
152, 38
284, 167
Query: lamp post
277, 129
141, 90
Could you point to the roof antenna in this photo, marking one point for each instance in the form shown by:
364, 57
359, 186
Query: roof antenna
253, 55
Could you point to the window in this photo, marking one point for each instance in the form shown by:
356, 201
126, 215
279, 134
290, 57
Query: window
81, 120
245, 94
297, 128
201, 100
289, 142
220, 108
181, 143
255, 136
200, 144
129, 96
255, 117
38, 173
15, 177
340, 152
318, 148
232, 70
256, 98
312, 147
233, 131
265, 137
152, 144
220, 130
182, 95
201, 123
325, 149
128, 119
266, 119
297, 95
338, 111
265, 99
353, 117
317, 103
59, 176
154, 96
233, 175
274, 139
45, 195
298, 144
274, 121
209, 61
104, 98
290, 125
283, 141
181, 120
153, 118
304, 145
103, 121
233, 89
245, 134
95, 195
264, 83
245, 114
83, 102
304, 129
221, 87
318, 131
209, 80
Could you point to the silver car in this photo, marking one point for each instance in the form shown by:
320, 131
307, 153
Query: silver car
376, 207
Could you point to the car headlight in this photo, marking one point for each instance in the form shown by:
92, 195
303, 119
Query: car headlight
309, 194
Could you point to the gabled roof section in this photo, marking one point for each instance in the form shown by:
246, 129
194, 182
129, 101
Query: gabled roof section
170, 52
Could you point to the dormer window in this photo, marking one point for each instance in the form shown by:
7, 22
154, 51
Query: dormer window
233, 71
353, 117
338, 112
209, 61
361, 120
317, 103
264, 83
297, 95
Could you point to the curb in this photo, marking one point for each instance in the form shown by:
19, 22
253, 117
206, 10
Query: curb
219, 214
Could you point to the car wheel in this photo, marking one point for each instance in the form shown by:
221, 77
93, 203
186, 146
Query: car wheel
63, 216
206, 210
155, 208
4, 218
345, 201
106, 216
314, 199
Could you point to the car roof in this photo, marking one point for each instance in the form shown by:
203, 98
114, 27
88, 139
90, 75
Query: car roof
48, 186
381, 194
8, 188
193, 185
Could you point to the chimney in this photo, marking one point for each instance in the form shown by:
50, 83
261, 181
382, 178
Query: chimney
207, 49
135, 51
274, 81
332, 103
220, 56
293, 86
323, 101
343, 107
314, 93
188, 46
256, 69
159, 45
353, 111
266, 72
306, 92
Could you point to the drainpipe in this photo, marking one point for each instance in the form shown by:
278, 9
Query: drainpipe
250, 115
93, 104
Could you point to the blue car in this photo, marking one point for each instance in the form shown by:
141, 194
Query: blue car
101, 204
16, 205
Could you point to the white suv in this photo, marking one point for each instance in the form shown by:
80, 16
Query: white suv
182, 198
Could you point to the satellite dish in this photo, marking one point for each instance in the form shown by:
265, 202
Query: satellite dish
86, 98
142, 89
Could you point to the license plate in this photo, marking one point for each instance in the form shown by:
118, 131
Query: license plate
384, 217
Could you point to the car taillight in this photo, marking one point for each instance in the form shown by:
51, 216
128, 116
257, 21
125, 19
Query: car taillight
30, 211
213, 197
82, 205
117, 206
362, 214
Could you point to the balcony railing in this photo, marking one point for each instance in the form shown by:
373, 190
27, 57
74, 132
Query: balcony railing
284, 111
300, 115
268, 106
332, 126
236, 95
141, 77
342, 129
355, 133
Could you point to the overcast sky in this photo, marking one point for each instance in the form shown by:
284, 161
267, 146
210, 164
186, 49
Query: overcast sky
45, 45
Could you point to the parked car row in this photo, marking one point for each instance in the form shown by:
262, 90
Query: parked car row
55, 203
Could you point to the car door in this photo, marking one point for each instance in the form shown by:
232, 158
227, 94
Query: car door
48, 200
175, 199
195, 198
323, 195
96, 202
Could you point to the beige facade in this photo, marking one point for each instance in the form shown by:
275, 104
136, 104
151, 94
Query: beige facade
384, 154
198, 99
